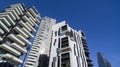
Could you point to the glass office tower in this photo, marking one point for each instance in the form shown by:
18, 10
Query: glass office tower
102, 61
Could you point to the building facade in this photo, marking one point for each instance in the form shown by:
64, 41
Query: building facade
41, 42
17, 24
68, 47
102, 62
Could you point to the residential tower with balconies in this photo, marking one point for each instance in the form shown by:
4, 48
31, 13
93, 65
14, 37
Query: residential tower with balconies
17, 25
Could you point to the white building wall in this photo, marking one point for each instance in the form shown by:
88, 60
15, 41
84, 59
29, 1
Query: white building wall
42, 41
75, 47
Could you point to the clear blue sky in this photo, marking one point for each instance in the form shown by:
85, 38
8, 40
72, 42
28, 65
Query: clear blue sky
99, 19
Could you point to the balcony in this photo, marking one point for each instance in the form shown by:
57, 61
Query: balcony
28, 14
31, 27
4, 27
33, 13
27, 20
21, 32
18, 7
37, 20
13, 58
13, 11
1, 38
33, 22
1, 31
7, 17
14, 38
10, 49
19, 48
11, 15
90, 64
21, 7
31, 57
24, 25
88, 59
23, 39
30, 64
4, 20
27, 32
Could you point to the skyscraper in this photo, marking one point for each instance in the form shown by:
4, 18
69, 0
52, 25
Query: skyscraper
102, 61
17, 24
68, 47
41, 43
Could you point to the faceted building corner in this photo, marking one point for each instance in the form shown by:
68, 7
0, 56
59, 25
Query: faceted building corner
68, 47
102, 62
17, 25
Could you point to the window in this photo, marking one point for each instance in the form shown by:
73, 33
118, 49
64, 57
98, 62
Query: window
65, 60
64, 42
82, 34
59, 31
64, 27
55, 33
54, 42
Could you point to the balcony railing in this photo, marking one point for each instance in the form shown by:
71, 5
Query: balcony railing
27, 32
1, 38
23, 39
21, 32
4, 20
1, 31
13, 11
11, 15
14, 38
19, 48
31, 27
4, 27
7, 17
10, 49
28, 14
33, 13
13, 58
27, 20
24, 25
33, 22
18, 7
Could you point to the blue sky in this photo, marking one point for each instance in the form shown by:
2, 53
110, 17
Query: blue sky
99, 19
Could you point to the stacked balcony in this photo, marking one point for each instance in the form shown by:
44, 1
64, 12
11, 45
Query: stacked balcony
65, 44
13, 58
16, 27
86, 50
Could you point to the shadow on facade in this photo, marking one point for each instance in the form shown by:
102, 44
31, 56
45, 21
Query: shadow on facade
6, 64
43, 60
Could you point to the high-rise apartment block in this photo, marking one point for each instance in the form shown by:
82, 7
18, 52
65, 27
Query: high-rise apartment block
103, 62
17, 24
55, 44
41, 43
68, 47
